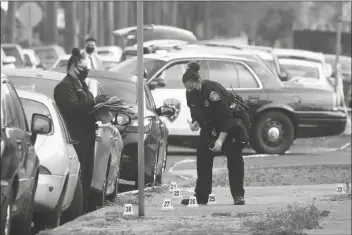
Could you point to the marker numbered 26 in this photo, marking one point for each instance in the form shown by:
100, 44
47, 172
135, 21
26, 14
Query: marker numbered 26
192, 201
212, 198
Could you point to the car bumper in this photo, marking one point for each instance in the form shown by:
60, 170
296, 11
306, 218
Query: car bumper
48, 192
319, 124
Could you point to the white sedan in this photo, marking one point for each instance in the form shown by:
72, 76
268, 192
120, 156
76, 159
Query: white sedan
59, 192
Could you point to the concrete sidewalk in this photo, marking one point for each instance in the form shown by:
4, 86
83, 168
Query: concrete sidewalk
259, 200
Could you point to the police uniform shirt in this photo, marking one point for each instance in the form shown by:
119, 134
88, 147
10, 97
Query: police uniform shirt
210, 106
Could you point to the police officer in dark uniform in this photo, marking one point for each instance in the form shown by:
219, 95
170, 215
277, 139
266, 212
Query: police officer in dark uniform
75, 102
221, 131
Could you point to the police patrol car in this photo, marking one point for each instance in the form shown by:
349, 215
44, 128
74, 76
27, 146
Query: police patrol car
279, 114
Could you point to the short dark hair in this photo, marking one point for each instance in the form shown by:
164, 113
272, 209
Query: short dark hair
75, 58
91, 39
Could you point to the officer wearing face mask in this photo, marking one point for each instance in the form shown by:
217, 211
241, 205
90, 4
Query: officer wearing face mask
93, 60
75, 102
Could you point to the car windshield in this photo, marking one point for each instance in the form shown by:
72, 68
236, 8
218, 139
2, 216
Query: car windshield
263, 71
300, 70
12, 51
130, 66
62, 64
31, 106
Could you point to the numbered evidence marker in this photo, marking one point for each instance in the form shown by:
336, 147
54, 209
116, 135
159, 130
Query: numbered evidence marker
176, 193
173, 186
167, 205
212, 199
341, 188
192, 202
128, 210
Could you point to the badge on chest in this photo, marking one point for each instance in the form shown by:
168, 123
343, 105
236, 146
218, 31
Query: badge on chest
206, 103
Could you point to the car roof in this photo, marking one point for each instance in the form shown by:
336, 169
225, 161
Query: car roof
33, 73
114, 48
185, 55
152, 26
295, 52
9, 45
31, 95
299, 62
160, 43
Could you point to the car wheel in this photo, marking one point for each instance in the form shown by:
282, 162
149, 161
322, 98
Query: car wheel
76, 207
51, 219
273, 133
24, 223
6, 215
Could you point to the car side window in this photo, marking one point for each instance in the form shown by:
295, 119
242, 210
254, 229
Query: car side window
171, 77
18, 108
223, 72
246, 78
8, 108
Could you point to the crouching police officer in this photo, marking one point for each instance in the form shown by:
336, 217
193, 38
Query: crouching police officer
212, 110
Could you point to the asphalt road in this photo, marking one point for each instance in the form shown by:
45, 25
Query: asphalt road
331, 150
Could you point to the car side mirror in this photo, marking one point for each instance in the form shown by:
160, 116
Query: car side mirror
122, 119
41, 124
166, 111
9, 60
152, 85
283, 76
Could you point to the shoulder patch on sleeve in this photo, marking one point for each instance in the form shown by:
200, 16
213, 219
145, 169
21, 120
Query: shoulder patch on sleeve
214, 96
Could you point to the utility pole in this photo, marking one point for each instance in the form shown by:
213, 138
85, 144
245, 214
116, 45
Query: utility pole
207, 23
109, 26
94, 19
101, 24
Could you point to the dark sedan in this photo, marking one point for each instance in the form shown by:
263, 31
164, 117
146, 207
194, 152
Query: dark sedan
280, 113
19, 162
124, 87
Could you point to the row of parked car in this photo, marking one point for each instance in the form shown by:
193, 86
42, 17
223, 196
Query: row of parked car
40, 171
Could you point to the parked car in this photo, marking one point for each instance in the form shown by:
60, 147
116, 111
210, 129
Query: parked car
156, 132
108, 63
49, 54
108, 145
32, 60
279, 113
7, 61
154, 32
59, 186
19, 162
110, 52
16, 51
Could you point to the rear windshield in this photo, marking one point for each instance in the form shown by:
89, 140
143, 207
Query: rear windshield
130, 66
12, 51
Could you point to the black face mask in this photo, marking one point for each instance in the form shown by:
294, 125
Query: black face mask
89, 50
83, 73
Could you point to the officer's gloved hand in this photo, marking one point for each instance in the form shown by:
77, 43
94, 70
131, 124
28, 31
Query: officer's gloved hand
100, 99
194, 126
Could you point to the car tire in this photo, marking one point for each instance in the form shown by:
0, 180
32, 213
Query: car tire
53, 218
273, 133
6, 215
24, 223
76, 207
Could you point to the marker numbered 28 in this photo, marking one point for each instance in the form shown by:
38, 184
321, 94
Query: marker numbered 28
128, 209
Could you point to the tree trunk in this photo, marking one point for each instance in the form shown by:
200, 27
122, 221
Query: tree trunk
11, 22
174, 13
101, 24
51, 30
70, 25
109, 25
93, 32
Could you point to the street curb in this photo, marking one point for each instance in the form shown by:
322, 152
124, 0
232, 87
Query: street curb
145, 190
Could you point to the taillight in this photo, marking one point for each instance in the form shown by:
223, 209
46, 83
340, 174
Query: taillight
2, 146
44, 171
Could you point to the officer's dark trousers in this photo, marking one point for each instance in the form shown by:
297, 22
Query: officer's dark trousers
205, 157
85, 152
